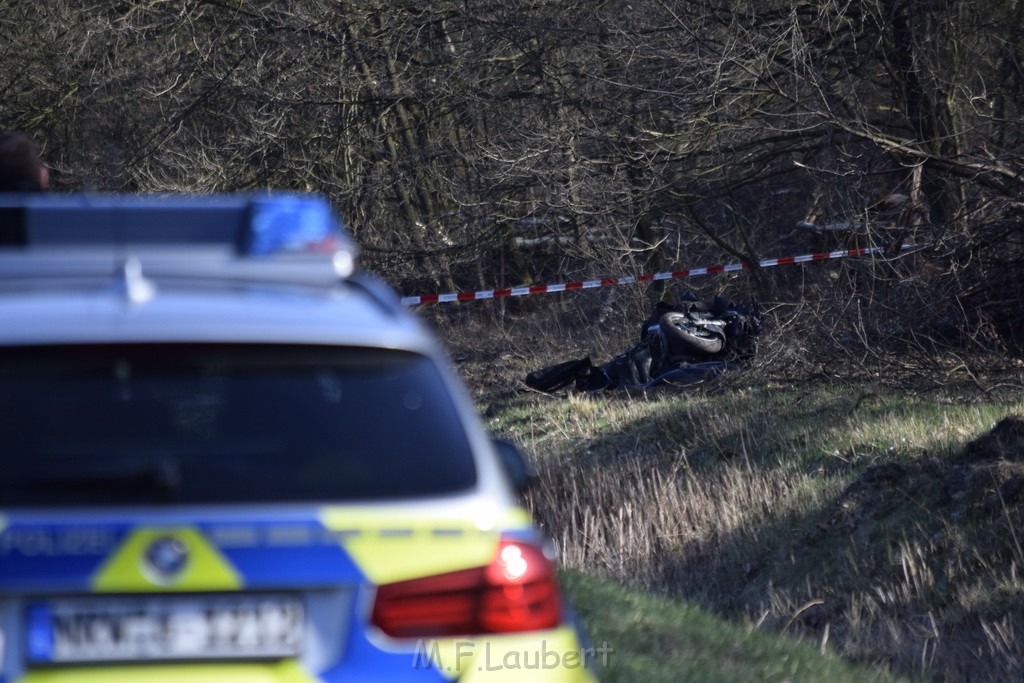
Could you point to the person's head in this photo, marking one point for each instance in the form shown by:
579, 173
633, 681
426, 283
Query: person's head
21, 169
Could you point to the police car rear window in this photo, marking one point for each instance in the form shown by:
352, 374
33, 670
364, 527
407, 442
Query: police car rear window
179, 423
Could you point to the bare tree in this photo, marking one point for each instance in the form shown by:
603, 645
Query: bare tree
484, 143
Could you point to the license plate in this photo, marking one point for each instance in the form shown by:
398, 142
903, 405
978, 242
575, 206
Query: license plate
165, 628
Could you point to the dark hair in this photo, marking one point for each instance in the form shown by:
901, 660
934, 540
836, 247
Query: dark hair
20, 164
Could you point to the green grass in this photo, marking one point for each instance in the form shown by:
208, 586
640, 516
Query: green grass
749, 501
653, 638
791, 426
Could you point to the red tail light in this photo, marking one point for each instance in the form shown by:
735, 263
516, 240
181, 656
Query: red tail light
517, 591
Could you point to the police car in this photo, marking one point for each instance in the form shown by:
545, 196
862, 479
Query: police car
226, 455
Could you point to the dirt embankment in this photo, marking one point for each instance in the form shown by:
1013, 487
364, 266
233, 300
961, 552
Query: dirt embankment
985, 482
923, 563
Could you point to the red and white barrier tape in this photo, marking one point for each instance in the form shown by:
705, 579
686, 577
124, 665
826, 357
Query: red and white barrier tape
633, 279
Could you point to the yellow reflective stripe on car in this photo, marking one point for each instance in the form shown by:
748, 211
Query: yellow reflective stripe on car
385, 554
537, 656
390, 546
287, 671
129, 570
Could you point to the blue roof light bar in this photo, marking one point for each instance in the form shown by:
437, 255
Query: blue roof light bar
251, 233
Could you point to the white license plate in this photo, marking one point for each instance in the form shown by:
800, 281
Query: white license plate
165, 628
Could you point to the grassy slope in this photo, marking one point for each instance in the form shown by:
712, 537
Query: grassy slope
653, 638
737, 501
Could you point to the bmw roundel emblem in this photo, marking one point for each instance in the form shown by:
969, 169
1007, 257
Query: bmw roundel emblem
166, 556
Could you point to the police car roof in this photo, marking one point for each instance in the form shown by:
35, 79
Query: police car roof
266, 268
94, 311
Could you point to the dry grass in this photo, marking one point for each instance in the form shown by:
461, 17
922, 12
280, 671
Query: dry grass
773, 505
836, 509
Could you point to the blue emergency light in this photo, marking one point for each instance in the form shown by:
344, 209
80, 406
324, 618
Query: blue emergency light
244, 229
